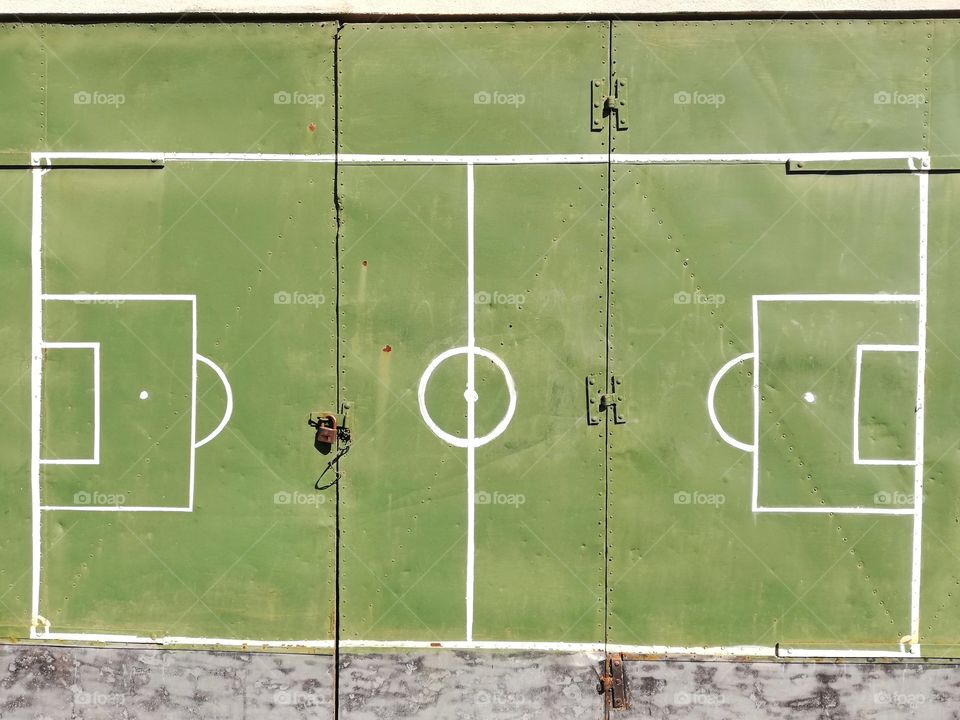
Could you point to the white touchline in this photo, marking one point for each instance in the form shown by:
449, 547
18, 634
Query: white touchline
95, 348
36, 369
909, 158
43, 162
858, 365
716, 651
923, 181
711, 409
824, 510
115, 508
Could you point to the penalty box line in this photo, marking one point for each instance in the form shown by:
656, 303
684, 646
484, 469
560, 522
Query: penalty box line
885, 298
135, 297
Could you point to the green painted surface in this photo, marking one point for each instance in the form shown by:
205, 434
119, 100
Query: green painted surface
886, 420
672, 537
540, 243
145, 347
69, 426
15, 441
258, 556
693, 274
238, 88
454, 88
777, 86
808, 383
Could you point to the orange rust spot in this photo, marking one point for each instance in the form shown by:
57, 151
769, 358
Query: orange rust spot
387, 348
311, 127
435, 644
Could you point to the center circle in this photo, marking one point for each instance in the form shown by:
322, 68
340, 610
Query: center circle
470, 396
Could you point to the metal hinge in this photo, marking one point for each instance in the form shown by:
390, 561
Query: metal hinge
603, 105
599, 400
613, 682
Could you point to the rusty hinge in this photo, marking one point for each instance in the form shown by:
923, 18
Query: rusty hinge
613, 682
603, 105
600, 401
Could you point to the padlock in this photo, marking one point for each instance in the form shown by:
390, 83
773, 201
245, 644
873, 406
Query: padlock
326, 430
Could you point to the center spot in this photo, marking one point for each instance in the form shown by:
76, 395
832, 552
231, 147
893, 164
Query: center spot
470, 395
809, 397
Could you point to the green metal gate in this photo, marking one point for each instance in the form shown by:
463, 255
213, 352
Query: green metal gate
642, 332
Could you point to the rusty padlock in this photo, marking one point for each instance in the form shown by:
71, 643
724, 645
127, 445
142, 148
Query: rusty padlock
326, 435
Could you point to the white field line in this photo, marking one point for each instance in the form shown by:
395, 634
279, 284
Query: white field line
85, 298
909, 158
755, 480
840, 297
836, 510
809, 653
711, 409
924, 190
88, 298
857, 460
95, 347
471, 398
470, 160
228, 411
717, 651
115, 508
36, 370
807, 297
194, 354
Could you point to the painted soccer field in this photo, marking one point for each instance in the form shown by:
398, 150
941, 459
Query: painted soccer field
676, 378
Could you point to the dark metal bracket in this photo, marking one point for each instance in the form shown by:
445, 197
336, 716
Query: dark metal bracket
613, 682
600, 401
603, 105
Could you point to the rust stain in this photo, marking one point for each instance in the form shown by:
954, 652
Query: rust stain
387, 348
311, 127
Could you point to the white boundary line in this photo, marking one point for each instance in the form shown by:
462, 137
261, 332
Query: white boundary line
855, 510
36, 370
923, 180
532, 159
95, 347
45, 158
716, 651
857, 460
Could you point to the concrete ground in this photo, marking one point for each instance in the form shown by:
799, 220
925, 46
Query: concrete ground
47, 683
